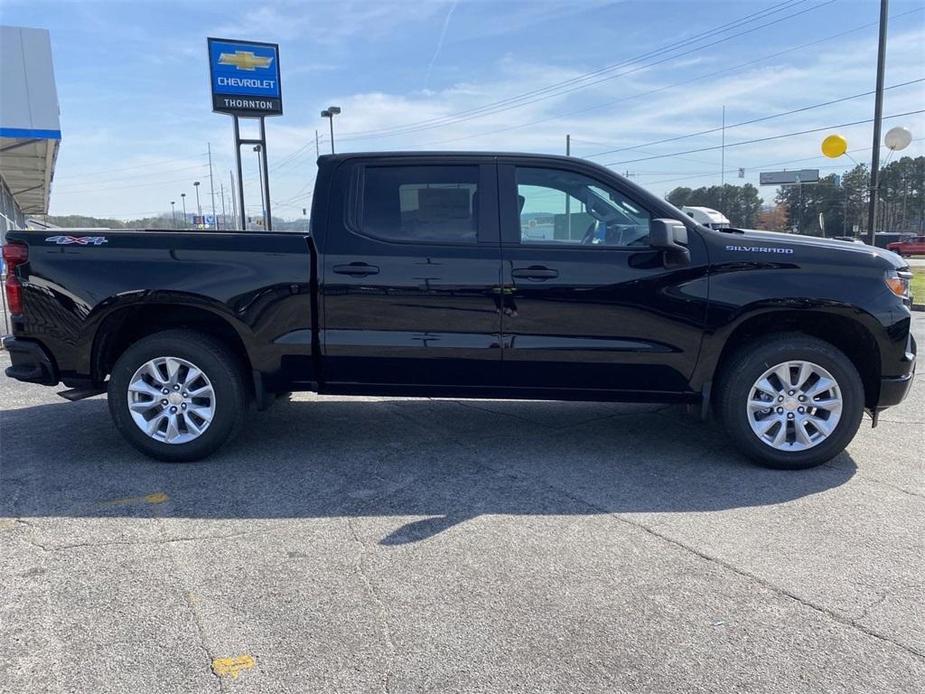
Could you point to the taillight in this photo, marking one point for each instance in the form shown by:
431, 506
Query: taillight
14, 254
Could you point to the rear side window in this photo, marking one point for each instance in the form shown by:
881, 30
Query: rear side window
420, 203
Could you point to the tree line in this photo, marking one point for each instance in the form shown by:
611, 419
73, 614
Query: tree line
162, 221
835, 206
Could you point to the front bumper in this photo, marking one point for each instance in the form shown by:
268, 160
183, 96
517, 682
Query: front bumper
893, 390
31, 363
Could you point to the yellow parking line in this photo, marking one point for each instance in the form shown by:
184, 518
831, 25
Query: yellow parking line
153, 498
232, 667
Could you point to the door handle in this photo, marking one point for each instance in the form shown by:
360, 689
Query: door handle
356, 269
534, 272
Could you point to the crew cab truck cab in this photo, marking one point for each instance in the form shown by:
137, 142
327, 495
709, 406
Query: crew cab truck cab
467, 275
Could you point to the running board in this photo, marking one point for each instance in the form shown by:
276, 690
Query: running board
74, 394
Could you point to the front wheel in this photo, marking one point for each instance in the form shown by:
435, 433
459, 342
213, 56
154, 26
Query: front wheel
791, 402
177, 395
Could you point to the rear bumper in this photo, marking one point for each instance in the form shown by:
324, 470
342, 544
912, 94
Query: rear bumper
31, 363
893, 390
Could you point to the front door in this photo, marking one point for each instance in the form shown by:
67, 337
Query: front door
411, 275
589, 306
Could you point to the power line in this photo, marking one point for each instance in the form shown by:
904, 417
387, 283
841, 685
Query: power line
292, 156
761, 139
754, 167
97, 181
557, 90
92, 188
558, 85
140, 166
729, 70
754, 120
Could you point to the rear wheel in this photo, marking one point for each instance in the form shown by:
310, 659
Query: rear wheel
177, 395
791, 402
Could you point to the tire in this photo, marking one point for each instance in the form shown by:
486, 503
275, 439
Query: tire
211, 415
737, 388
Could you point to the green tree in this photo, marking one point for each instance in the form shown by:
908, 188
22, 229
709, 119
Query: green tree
843, 201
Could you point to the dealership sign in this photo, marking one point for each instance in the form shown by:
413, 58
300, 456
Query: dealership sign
245, 78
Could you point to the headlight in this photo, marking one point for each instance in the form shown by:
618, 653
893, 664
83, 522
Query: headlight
899, 283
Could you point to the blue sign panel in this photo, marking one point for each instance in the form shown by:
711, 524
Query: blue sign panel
245, 77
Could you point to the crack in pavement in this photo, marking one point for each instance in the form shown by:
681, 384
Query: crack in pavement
832, 614
381, 610
201, 630
884, 594
191, 605
112, 543
778, 590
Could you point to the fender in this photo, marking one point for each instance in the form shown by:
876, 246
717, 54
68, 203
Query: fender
717, 336
103, 321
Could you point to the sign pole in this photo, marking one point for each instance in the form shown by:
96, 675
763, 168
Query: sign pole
245, 81
266, 175
237, 157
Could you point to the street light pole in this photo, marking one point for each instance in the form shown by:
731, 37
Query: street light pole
329, 113
173, 212
878, 119
198, 206
183, 198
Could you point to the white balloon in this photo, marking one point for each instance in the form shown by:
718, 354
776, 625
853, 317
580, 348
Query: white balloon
897, 138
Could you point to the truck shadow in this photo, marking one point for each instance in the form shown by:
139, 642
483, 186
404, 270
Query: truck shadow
431, 464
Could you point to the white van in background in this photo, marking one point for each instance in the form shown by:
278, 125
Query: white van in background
707, 217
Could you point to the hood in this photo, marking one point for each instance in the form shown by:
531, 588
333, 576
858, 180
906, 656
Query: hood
826, 245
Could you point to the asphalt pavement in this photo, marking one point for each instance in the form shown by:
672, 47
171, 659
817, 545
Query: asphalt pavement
414, 545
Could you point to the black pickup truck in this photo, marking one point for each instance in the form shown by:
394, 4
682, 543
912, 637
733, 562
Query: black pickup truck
481, 275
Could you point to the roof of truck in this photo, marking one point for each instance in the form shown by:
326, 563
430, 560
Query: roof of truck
448, 154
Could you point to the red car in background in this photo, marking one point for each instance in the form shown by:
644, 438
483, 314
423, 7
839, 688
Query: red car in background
906, 247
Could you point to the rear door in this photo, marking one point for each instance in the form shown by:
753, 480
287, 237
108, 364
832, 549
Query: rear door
588, 304
411, 273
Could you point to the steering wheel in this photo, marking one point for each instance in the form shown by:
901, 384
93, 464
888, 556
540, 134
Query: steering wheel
588, 238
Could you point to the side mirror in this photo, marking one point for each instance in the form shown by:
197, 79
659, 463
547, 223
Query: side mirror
670, 236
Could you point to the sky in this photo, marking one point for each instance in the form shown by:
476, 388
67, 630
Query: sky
635, 84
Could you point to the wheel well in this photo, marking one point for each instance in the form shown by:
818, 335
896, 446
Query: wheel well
848, 335
126, 326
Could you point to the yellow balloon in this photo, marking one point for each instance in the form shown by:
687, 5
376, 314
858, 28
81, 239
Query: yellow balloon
834, 146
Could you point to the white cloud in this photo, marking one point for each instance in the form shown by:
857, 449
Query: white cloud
631, 117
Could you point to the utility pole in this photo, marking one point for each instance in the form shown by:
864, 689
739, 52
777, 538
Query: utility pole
221, 187
317, 152
234, 202
212, 187
722, 165
878, 120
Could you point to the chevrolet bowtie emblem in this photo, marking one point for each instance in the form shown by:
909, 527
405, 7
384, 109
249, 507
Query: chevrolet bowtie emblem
244, 60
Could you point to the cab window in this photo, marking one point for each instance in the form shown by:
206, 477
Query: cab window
569, 208
420, 203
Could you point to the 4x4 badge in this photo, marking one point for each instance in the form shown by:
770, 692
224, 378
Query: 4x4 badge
79, 240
